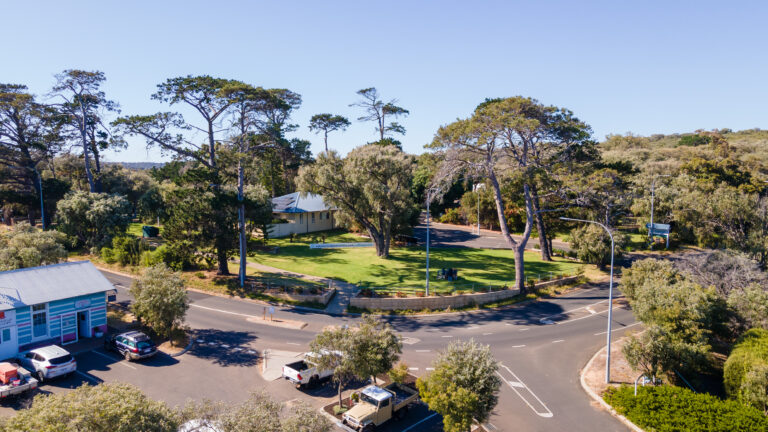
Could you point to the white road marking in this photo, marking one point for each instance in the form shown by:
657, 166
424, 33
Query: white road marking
418, 423
292, 343
430, 369
621, 328
546, 321
411, 340
589, 309
224, 311
517, 383
518, 346
87, 376
413, 368
492, 426
487, 334
423, 351
224, 346
524, 329
447, 336
559, 340
113, 359
508, 325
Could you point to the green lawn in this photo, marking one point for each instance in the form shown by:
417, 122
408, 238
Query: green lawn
405, 268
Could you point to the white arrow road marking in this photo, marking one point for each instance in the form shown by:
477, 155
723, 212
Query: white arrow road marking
411, 340
525, 393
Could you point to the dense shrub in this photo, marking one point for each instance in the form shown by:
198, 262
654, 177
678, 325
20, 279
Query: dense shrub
451, 216
749, 352
593, 245
125, 250
668, 408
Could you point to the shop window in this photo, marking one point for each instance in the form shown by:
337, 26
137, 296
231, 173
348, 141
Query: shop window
39, 320
313, 218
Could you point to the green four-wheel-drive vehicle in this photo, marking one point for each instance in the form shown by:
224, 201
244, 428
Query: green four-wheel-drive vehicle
377, 405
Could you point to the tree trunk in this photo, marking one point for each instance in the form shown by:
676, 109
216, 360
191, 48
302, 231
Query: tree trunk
221, 256
97, 164
86, 152
518, 253
382, 249
546, 253
340, 384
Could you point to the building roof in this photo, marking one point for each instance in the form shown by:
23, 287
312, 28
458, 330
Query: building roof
34, 285
299, 202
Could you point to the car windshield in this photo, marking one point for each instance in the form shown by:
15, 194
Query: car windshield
144, 344
61, 360
365, 398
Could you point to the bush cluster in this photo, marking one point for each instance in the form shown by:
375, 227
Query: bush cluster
669, 408
749, 352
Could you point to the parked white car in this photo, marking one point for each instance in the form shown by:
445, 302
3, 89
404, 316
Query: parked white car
304, 373
48, 362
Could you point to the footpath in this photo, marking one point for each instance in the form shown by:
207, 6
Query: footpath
344, 290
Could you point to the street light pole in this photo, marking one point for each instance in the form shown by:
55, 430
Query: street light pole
430, 193
610, 298
476, 188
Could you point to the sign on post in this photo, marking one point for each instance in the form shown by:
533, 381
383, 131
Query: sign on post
659, 230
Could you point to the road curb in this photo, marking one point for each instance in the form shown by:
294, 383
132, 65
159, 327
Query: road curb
597, 397
186, 348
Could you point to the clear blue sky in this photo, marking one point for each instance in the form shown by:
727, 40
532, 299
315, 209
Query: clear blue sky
644, 67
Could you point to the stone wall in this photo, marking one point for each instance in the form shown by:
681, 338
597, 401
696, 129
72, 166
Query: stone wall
444, 302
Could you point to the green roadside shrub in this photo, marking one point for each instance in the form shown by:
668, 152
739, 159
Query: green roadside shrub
668, 409
107, 255
750, 351
451, 216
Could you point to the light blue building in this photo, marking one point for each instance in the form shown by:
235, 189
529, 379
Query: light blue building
56, 304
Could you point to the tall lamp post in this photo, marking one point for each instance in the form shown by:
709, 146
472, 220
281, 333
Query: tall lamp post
430, 195
476, 188
653, 184
610, 298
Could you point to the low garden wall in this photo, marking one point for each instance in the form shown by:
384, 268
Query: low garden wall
323, 298
444, 302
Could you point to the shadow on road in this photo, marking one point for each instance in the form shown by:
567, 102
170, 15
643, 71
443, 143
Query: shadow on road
224, 348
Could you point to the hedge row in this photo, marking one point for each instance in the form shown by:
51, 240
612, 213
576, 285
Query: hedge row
668, 409
749, 351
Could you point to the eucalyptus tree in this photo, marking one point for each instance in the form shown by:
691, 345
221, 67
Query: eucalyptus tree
211, 98
29, 135
371, 186
378, 111
512, 137
84, 106
326, 123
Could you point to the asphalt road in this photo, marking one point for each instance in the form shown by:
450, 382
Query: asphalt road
540, 345
446, 235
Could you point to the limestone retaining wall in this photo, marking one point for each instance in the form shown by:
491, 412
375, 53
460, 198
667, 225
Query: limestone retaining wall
318, 298
444, 302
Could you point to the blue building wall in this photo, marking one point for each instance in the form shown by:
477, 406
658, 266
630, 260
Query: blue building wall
97, 307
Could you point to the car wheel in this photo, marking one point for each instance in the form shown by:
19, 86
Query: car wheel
127, 356
40, 376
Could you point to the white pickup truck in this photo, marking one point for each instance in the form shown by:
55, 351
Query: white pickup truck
21, 383
304, 373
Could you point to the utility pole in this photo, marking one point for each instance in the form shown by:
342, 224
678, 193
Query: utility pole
610, 299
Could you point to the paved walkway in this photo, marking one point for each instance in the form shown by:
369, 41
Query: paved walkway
344, 290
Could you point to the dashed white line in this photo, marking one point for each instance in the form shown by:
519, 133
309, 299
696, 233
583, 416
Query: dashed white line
518, 346
292, 343
423, 351
430, 369
558, 341
524, 329
447, 336
413, 368
487, 334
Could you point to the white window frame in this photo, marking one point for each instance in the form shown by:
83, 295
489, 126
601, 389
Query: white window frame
313, 217
47, 321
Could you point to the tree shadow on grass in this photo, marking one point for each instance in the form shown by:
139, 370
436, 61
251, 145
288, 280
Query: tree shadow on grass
224, 348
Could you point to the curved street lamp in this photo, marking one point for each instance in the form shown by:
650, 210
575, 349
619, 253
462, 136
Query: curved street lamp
610, 297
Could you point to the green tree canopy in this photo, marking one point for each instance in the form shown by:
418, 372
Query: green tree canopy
326, 123
160, 299
113, 407
371, 186
25, 246
92, 219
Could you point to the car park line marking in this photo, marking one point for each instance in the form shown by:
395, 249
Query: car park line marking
418, 423
413, 368
621, 328
559, 340
292, 343
422, 351
518, 346
87, 376
516, 384
113, 359
589, 309
430, 369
